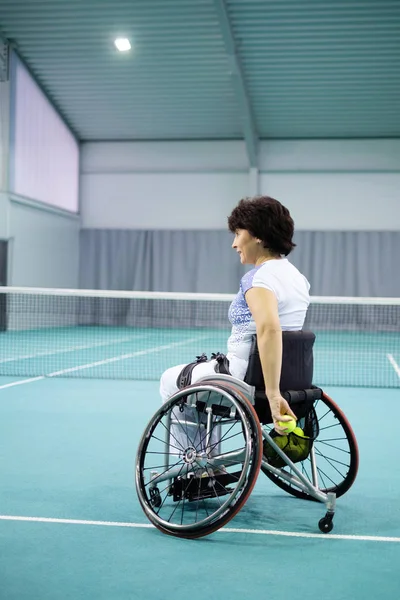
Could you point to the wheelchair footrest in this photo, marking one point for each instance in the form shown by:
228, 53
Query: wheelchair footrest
199, 488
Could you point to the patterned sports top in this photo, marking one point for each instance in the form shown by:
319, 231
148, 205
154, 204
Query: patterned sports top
291, 289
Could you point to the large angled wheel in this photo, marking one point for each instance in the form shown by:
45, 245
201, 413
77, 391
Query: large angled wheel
333, 464
193, 480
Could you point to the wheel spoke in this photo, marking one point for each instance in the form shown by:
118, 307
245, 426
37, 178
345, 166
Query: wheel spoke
190, 505
225, 439
323, 416
171, 445
330, 426
170, 435
331, 461
334, 447
166, 496
321, 472
343, 439
166, 471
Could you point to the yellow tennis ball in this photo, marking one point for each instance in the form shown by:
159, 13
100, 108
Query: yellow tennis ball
288, 426
298, 431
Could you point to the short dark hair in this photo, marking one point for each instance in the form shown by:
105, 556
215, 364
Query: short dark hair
266, 219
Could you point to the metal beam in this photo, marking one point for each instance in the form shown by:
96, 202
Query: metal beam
254, 181
249, 127
4, 59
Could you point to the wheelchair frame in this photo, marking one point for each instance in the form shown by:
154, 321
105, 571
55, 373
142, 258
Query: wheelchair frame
203, 461
227, 386
243, 402
300, 480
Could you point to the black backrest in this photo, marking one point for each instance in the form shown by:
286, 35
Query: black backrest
297, 362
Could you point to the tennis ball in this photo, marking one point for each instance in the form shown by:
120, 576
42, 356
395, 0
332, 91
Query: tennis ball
298, 431
288, 426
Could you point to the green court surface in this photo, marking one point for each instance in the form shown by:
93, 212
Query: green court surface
348, 358
71, 526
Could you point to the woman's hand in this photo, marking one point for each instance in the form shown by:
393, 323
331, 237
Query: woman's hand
280, 411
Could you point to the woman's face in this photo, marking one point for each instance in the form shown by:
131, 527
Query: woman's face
247, 247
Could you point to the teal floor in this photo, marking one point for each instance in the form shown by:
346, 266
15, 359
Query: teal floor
342, 358
67, 452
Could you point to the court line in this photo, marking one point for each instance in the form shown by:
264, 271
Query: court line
72, 349
271, 532
21, 382
125, 356
394, 364
105, 361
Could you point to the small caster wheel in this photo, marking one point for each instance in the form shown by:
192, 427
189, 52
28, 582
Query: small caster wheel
155, 497
325, 524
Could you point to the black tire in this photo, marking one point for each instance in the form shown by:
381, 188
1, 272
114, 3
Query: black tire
246, 423
325, 525
344, 470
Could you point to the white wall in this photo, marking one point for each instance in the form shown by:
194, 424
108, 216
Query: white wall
160, 200
44, 247
4, 137
161, 185
343, 201
330, 156
327, 185
3, 216
43, 241
44, 154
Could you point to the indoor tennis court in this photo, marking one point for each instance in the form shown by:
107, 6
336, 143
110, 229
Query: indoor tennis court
72, 526
74, 403
137, 335
158, 157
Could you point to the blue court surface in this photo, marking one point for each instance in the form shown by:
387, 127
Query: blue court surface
341, 358
71, 525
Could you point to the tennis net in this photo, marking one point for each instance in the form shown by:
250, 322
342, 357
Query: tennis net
137, 335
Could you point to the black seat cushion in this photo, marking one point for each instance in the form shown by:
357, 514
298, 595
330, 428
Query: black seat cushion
297, 362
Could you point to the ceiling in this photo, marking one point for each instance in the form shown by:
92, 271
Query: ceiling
215, 69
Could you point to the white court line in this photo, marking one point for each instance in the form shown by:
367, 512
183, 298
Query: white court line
322, 536
105, 361
125, 356
72, 349
7, 385
394, 364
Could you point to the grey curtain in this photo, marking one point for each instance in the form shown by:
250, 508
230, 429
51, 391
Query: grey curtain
360, 263
335, 263
167, 261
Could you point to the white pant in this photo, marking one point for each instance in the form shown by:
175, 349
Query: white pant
183, 436
168, 387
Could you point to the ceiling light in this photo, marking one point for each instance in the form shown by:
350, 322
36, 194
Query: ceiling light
122, 44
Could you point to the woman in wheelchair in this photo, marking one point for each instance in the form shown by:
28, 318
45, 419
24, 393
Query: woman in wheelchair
273, 297
208, 435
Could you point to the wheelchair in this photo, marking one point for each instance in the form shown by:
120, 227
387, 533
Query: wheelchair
201, 453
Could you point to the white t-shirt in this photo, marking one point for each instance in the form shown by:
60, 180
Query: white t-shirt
291, 289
